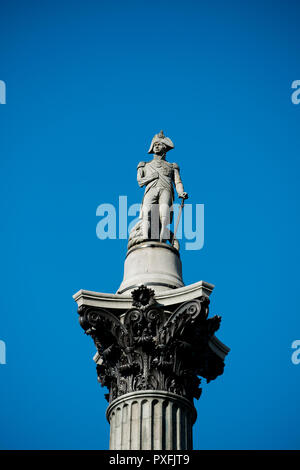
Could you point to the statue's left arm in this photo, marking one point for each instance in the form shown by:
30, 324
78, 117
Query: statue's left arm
178, 183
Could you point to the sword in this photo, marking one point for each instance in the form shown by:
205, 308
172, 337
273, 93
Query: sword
178, 218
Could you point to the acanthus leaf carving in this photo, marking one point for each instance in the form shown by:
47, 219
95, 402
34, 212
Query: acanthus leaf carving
153, 348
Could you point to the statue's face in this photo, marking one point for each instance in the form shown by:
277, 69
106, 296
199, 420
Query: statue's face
159, 148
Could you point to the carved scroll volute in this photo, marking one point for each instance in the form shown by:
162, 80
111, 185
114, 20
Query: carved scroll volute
185, 316
102, 325
143, 325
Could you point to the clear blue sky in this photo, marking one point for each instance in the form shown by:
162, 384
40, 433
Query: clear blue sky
88, 84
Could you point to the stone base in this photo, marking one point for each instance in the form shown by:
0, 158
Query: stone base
152, 264
151, 420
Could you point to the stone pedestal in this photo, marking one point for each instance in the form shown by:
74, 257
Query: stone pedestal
151, 420
152, 264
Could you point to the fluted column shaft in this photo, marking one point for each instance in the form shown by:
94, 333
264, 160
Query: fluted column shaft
151, 420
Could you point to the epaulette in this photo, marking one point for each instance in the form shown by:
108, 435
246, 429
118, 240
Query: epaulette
175, 166
141, 164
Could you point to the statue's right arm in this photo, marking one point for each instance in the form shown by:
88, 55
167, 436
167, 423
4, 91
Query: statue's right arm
141, 178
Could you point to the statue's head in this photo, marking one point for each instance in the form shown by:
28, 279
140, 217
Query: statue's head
160, 144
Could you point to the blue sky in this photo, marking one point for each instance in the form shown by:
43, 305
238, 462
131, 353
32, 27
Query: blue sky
88, 85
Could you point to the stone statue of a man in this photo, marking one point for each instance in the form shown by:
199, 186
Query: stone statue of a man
159, 176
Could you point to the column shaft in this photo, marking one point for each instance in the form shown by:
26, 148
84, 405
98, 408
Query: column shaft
151, 420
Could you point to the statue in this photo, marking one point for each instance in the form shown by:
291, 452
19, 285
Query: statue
158, 176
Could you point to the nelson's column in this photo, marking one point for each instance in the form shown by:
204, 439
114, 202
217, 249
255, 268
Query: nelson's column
154, 337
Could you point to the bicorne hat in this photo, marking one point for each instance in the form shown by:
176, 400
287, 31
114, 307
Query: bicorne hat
163, 139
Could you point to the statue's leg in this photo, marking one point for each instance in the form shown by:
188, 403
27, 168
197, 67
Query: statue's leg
148, 211
165, 213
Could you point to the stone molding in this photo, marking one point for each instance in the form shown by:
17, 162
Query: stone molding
167, 298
